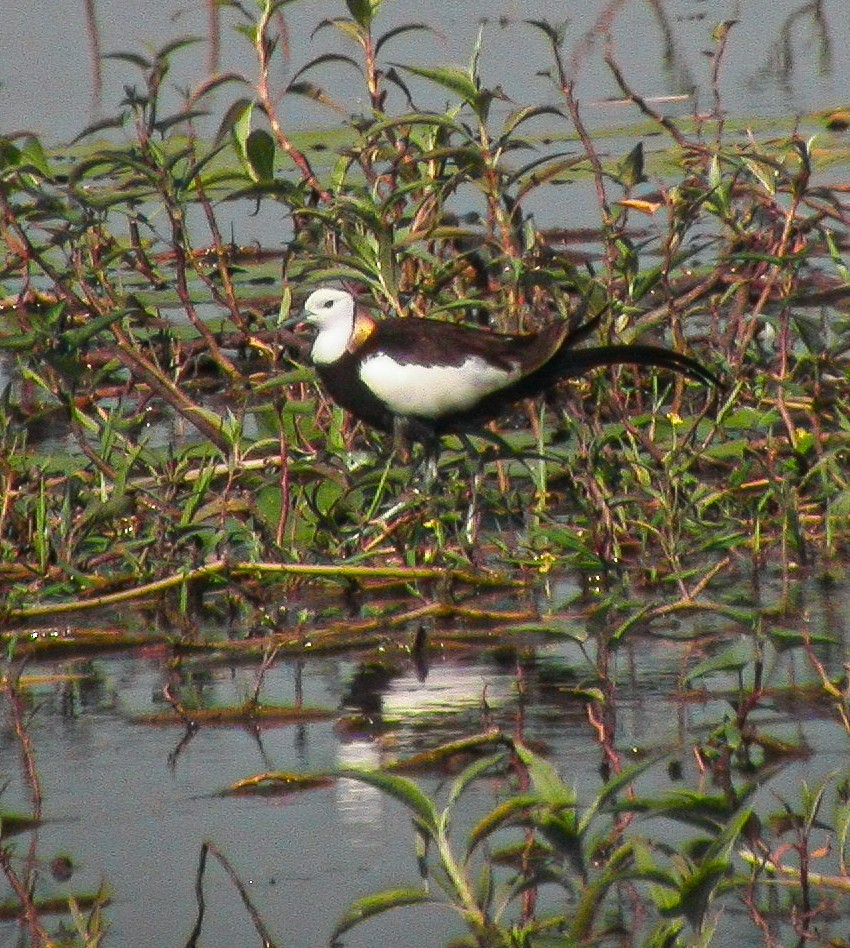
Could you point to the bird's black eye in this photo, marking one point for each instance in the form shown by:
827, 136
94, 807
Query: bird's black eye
328, 303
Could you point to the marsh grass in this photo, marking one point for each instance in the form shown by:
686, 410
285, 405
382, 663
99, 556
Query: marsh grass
148, 344
162, 443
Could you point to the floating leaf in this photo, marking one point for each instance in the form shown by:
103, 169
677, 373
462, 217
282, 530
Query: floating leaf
733, 659
276, 783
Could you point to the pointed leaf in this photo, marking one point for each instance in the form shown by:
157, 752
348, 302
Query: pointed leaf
74, 340
213, 83
316, 93
117, 122
406, 28
348, 27
363, 11
449, 77
238, 111
555, 34
630, 170
175, 45
325, 58
401, 789
497, 818
735, 658
613, 786
547, 784
376, 904
391, 75
129, 57
179, 118
516, 118
260, 151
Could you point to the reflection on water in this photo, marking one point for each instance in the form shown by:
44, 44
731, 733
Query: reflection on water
361, 806
122, 806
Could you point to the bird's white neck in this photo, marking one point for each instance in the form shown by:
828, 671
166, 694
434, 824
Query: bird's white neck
331, 341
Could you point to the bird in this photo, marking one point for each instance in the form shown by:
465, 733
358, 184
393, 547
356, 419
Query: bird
421, 378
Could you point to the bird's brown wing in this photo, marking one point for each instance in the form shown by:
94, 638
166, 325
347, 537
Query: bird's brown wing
435, 342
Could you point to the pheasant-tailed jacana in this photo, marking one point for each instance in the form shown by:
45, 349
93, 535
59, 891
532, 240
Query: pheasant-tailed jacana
424, 378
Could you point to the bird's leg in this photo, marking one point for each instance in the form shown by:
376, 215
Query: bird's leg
473, 515
429, 465
401, 439
412, 429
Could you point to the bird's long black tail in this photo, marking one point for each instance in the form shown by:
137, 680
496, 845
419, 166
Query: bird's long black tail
569, 363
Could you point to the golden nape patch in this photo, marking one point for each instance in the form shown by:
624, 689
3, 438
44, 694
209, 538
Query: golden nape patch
364, 326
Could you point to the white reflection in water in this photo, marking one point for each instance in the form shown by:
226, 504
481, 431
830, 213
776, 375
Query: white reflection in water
359, 804
447, 688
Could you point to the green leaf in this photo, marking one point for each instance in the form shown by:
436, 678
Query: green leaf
311, 91
102, 125
32, 156
405, 28
612, 787
178, 44
505, 813
733, 659
547, 784
259, 152
451, 78
371, 905
516, 118
319, 60
362, 11
10, 155
842, 823
697, 890
347, 27
401, 789
129, 57
783, 639
630, 170
544, 169
472, 772
555, 34
239, 116
230, 123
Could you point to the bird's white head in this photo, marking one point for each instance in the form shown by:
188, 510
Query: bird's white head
331, 311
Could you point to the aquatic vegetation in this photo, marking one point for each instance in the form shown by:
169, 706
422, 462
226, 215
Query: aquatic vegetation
193, 434
168, 463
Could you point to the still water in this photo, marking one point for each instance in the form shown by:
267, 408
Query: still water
784, 57
131, 803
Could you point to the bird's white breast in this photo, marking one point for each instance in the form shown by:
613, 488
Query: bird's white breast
430, 391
